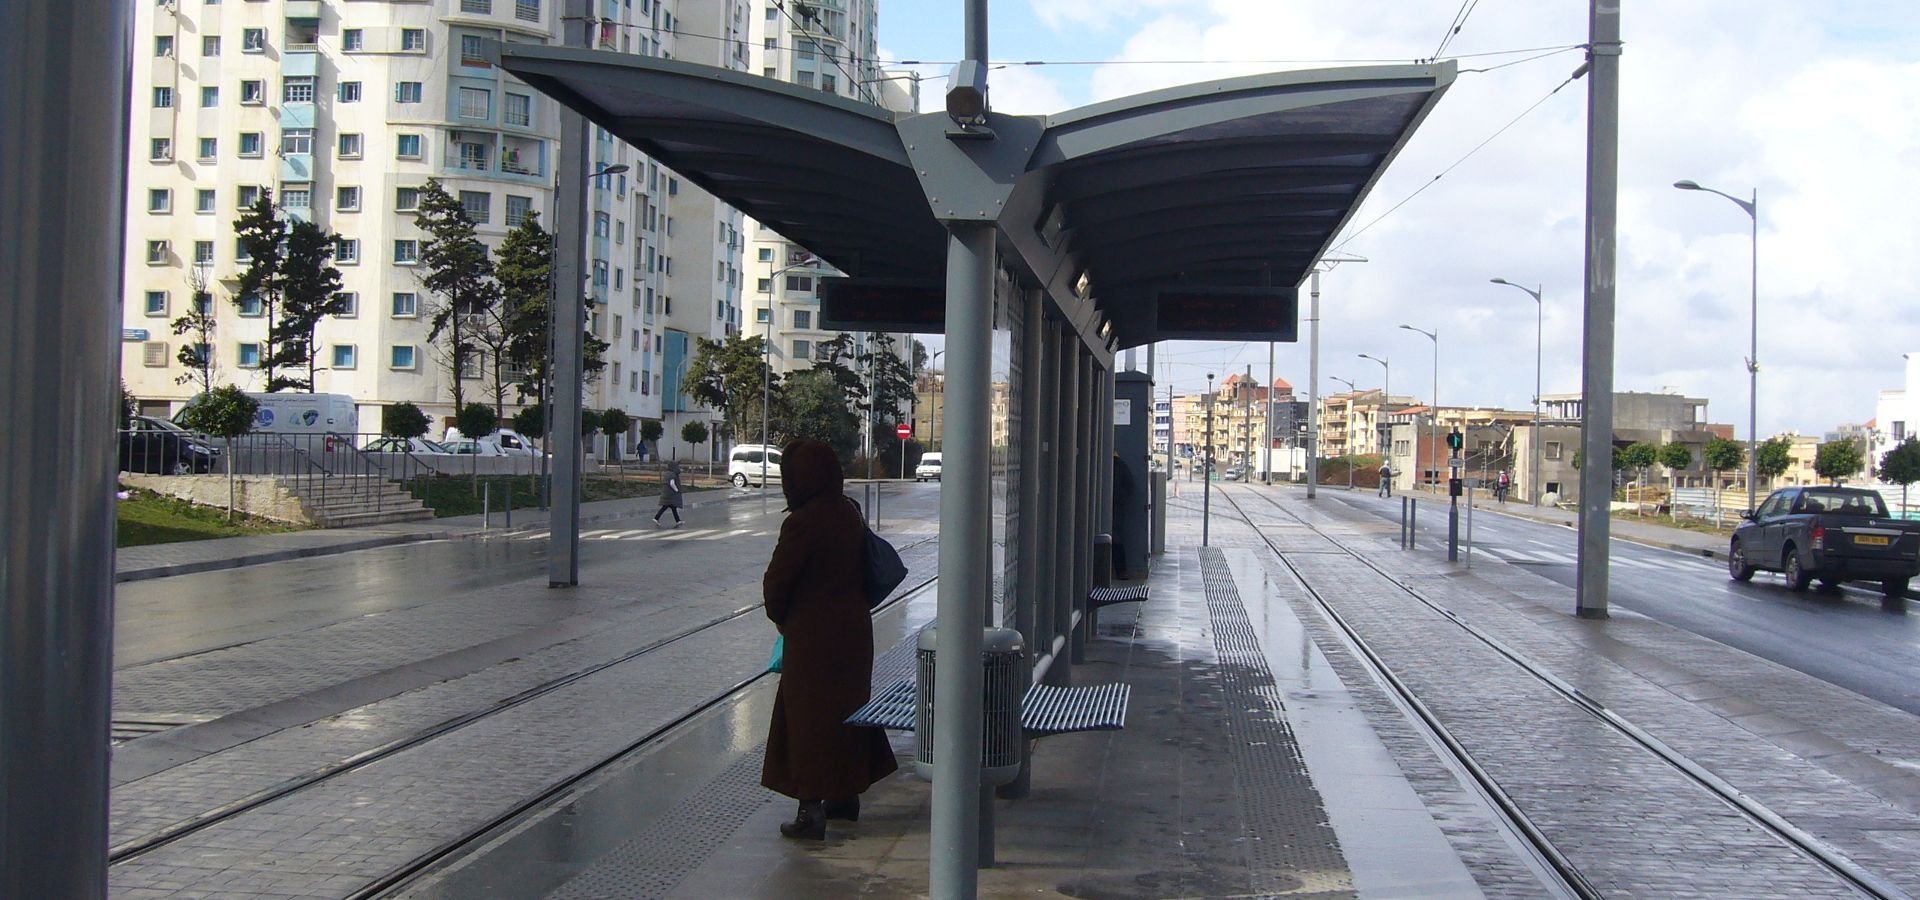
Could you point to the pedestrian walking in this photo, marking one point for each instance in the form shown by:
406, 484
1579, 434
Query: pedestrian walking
815, 590
670, 499
1501, 486
1386, 480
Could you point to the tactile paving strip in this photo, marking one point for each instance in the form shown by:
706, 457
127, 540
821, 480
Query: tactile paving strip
658, 858
1291, 847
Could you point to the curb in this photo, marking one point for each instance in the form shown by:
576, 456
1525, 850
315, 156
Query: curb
255, 559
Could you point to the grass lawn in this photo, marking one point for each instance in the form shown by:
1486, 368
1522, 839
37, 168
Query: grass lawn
456, 495
150, 518
1671, 522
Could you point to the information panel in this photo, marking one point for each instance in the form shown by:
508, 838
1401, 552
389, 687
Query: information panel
1228, 314
882, 304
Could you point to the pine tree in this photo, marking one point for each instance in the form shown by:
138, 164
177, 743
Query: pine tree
309, 292
460, 271
525, 271
262, 235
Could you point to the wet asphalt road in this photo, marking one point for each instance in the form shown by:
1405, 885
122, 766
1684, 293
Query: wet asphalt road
1844, 637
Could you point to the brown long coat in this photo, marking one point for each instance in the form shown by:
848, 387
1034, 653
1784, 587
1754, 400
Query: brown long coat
815, 593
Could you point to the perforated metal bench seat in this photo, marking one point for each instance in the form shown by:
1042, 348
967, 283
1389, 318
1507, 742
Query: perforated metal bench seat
1046, 709
1108, 596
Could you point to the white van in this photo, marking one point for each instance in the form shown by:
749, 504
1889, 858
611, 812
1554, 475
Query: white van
290, 413
744, 465
928, 469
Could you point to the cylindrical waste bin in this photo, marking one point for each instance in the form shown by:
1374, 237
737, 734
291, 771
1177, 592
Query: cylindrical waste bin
1001, 650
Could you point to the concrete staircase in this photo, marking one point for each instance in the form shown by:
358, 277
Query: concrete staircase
356, 500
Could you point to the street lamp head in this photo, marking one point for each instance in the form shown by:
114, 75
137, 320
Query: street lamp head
615, 169
1688, 185
1499, 281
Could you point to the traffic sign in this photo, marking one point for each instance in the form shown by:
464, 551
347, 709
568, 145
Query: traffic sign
1455, 462
904, 431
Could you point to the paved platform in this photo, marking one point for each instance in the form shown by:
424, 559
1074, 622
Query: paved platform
1268, 752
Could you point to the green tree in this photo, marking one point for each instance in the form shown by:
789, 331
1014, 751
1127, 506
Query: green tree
476, 421
1901, 466
1776, 457
404, 420
225, 412
198, 324
1676, 457
650, 432
127, 405
1718, 456
694, 433
817, 410
1837, 460
524, 269
589, 421
1639, 456
262, 236
889, 381
727, 376
460, 272
532, 421
309, 292
614, 424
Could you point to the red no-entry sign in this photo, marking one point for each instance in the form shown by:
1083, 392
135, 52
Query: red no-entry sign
904, 431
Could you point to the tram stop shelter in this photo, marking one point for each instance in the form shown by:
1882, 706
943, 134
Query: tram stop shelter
1040, 246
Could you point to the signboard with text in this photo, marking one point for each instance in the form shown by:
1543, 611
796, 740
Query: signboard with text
1201, 313
882, 304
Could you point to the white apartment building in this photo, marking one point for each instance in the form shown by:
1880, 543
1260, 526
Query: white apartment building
343, 110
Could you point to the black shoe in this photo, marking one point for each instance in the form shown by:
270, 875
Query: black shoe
844, 809
810, 823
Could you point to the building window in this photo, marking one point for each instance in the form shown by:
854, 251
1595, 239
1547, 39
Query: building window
599, 273
413, 40
163, 98
349, 305
406, 199
153, 354
297, 89
344, 356
248, 356
403, 357
802, 349
828, 84
475, 103
406, 252
519, 110
351, 145
250, 144
158, 252
240, 252
210, 45
346, 251
296, 140
349, 92
156, 303
203, 304
600, 224
253, 92
526, 10
473, 155
163, 45
203, 253
352, 39
296, 196
517, 209
346, 199
407, 146
477, 7
473, 50
765, 254
209, 97
248, 195
209, 149
479, 206
800, 284
1553, 449
159, 200
406, 305
253, 40
250, 306
762, 314
407, 92
203, 200
803, 319
619, 278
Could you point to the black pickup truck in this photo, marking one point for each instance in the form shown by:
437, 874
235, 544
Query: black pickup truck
1834, 534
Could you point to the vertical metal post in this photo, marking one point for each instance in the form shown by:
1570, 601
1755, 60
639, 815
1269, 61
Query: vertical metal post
1596, 407
1313, 387
1027, 601
1246, 429
569, 325
63, 134
966, 550
1066, 496
1753, 363
486, 506
1266, 443
1086, 495
1206, 472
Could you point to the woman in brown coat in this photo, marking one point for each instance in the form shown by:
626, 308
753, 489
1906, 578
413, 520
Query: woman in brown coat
815, 592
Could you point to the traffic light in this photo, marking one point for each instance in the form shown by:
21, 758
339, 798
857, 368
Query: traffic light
1454, 440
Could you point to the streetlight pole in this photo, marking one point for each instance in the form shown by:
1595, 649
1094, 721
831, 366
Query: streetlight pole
1433, 417
1539, 326
553, 295
1351, 391
1206, 473
1752, 208
1386, 390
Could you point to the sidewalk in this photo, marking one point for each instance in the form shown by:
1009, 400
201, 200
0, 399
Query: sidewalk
1665, 537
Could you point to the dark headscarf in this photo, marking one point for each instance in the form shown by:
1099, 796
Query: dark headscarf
809, 469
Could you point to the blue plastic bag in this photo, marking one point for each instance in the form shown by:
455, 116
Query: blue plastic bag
779, 653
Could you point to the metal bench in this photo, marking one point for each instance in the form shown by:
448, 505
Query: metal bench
1108, 596
1045, 710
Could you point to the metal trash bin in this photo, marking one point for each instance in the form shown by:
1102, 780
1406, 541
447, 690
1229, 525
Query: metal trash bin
1000, 735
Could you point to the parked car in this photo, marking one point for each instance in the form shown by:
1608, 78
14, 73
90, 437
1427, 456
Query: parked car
156, 450
928, 469
505, 442
415, 446
464, 447
1833, 534
744, 465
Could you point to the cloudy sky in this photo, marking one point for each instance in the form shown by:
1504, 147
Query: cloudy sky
1815, 105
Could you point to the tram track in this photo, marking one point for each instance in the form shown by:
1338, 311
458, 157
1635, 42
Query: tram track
134, 849
1567, 877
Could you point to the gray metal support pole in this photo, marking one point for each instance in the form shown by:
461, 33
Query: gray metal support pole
1266, 443
1085, 497
1029, 596
1539, 342
966, 549
1753, 365
569, 324
1596, 425
1313, 388
63, 134
1206, 473
1066, 495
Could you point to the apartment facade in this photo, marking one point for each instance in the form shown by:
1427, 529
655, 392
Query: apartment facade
344, 110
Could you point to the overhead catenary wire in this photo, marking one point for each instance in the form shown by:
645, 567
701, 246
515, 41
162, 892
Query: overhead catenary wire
1348, 60
1453, 28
